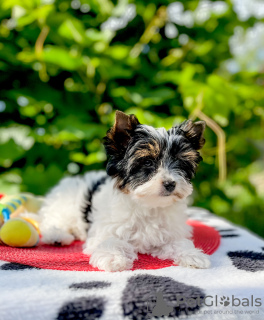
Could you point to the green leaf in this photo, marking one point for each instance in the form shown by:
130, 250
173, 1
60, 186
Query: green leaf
62, 58
10, 151
73, 29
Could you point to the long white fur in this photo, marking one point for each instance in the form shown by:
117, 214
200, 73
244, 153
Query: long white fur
122, 225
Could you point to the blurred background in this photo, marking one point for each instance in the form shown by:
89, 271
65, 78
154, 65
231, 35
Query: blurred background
66, 66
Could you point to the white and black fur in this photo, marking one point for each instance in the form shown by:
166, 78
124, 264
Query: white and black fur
139, 205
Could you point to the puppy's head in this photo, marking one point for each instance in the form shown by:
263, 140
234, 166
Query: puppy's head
154, 166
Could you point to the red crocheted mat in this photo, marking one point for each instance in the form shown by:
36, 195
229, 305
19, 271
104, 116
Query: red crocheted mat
71, 257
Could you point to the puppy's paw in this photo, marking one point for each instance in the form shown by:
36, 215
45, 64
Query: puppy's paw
194, 259
109, 261
56, 236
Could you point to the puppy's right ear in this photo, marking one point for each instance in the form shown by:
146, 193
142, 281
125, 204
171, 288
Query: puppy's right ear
117, 138
119, 135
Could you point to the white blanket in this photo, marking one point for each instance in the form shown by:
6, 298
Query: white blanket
233, 288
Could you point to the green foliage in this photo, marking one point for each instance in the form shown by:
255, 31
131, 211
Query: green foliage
62, 77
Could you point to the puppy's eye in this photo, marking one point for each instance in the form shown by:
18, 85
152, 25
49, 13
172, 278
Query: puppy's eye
148, 163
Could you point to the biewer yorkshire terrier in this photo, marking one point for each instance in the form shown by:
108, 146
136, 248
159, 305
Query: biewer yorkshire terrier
138, 205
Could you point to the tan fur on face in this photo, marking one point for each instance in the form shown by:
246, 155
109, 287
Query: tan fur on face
189, 155
152, 150
118, 184
179, 195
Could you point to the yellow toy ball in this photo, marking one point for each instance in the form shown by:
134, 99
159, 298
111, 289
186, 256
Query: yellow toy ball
18, 232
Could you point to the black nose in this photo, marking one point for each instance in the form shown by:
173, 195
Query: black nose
169, 185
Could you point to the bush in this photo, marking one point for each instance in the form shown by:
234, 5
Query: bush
67, 66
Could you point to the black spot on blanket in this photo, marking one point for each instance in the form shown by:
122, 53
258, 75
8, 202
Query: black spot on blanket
142, 294
229, 235
90, 285
82, 308
247, 260
225, 230
16, 266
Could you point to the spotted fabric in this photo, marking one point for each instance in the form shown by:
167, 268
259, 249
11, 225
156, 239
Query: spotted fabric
29, 292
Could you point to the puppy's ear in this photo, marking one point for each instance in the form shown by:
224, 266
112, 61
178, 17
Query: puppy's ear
124, 127
117, 138
194, 132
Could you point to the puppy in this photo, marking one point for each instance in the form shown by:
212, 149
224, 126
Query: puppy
138, 205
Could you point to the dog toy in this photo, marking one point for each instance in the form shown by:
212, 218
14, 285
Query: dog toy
8, 206
14, 205
19, 231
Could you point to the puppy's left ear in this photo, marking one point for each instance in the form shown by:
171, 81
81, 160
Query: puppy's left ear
194, 132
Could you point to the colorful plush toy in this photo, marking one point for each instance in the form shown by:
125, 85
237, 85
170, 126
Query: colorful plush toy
19, 231
8, 206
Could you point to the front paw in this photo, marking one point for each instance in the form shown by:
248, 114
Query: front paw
108, 261
194, 259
